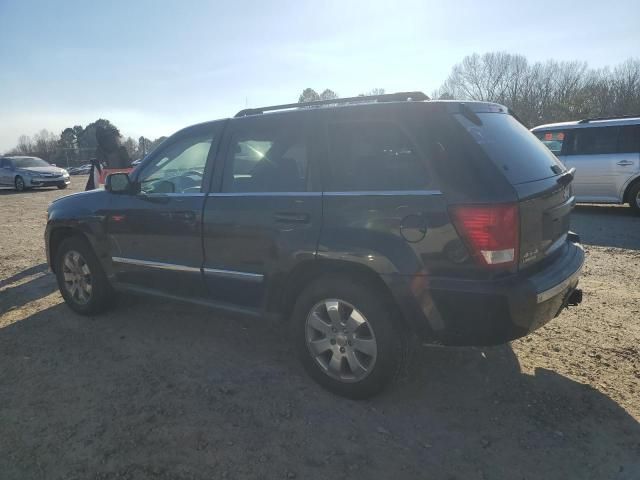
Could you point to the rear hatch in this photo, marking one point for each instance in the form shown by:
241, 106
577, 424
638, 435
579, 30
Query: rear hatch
541, 183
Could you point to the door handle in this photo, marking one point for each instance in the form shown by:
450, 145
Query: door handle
154, 198
292, 217
625, 163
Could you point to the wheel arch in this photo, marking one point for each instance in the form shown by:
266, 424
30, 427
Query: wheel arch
310, 270
627, 190
15, 179
56, 237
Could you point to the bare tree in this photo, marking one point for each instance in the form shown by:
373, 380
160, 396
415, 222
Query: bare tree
545, 91
25, 145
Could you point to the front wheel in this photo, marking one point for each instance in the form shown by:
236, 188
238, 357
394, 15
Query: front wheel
19, 184
81, 279
348, 336
62, 187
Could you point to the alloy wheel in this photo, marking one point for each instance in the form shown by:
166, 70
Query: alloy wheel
341, 340
77, 277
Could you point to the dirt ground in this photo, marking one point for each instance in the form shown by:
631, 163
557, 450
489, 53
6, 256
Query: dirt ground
160, 390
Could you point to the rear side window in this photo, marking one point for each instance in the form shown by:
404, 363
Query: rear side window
553, 140
373, 156
594, 141
512, 148
629, 139
268, 157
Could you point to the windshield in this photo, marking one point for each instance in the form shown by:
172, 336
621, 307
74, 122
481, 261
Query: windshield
29, 162
512, 148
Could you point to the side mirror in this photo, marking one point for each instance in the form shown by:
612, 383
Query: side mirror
117, 183
53, 165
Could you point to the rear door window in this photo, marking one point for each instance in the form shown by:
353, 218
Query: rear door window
373, 156
268, 155
629, 139
512, 148
594, 141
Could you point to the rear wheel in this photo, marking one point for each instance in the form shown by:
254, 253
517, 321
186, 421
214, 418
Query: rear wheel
347, 337
81, 279
634, 197
19, 184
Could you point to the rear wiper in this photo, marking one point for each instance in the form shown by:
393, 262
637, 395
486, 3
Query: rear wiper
567, 177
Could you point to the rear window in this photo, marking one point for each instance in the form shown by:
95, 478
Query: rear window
512, 148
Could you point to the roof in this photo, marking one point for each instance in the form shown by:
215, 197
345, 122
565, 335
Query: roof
586, 123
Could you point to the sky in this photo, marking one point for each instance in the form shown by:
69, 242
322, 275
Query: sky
153, 67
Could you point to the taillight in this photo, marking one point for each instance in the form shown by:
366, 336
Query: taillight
490, 231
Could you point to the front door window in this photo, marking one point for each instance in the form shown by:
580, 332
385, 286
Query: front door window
179, 167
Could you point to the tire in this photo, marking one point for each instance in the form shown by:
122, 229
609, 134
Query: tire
62, 187
19, 185
634, 198
382, 364
72, 257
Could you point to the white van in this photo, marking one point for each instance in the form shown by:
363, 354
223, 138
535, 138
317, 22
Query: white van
605, 153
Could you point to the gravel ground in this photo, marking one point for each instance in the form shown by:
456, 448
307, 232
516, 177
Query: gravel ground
162, 390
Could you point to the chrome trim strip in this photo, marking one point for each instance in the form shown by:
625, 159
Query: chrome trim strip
251, 277
360, 193
553, 291
171, 194
363, 193
265, 194
160, 265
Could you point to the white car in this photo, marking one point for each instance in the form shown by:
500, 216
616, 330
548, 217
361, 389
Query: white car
605, 153
22, 173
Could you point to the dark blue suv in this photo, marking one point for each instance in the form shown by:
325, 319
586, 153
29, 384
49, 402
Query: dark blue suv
362, 222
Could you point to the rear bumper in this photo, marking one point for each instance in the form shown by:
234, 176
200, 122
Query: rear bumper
472, 312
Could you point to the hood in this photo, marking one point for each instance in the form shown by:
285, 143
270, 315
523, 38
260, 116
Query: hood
86, 194
54, 170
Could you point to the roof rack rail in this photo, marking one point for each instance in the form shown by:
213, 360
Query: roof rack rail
615, 117
386, 97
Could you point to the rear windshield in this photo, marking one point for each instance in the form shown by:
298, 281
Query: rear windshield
512, 148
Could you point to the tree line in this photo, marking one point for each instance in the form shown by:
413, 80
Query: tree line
546, 92
76, 145
539, 92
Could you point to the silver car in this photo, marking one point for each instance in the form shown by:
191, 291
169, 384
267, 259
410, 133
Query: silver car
22, 173
605, 153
